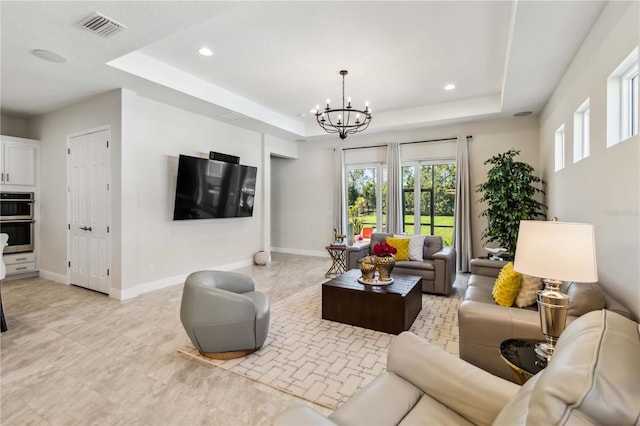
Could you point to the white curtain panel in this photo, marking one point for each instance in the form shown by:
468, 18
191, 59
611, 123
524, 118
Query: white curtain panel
462, 225
394, 189
339, 202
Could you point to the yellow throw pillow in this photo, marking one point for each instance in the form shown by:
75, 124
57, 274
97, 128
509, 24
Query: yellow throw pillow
506, 286
402, 245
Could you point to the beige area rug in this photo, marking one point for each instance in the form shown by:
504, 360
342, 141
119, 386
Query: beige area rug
326, 362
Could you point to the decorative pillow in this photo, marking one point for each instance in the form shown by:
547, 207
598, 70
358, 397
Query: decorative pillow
402, 245
416, 246
584, 297
529, 286
506, 286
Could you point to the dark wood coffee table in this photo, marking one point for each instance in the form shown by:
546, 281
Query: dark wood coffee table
390, 308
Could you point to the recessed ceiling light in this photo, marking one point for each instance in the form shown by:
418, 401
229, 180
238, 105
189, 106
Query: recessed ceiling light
48, 55
205, 51
522, 114
450, 86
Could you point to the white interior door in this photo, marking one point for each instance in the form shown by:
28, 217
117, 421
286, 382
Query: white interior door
89, 211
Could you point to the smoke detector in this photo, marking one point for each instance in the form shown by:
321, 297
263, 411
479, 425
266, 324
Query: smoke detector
99, 24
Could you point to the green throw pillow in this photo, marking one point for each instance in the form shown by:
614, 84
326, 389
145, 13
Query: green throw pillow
506, 286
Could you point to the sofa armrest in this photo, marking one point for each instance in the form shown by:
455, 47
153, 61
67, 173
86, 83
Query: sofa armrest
490, 323
302, 415
355, 253
448, 254
469, 391
444, 262
486, 267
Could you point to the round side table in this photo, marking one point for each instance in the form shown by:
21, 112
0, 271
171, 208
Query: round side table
520, 356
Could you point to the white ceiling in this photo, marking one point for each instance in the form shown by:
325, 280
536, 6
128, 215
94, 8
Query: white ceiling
274, 61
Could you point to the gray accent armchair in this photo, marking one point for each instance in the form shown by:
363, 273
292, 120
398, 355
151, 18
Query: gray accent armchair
223, 315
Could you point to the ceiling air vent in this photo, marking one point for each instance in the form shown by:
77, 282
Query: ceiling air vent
99, 24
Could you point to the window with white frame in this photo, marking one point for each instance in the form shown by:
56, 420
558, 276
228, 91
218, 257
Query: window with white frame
559, 148
622, 100
581, 132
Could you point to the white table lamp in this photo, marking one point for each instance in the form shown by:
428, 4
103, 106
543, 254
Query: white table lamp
555, 251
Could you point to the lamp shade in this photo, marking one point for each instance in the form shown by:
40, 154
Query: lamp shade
557, 250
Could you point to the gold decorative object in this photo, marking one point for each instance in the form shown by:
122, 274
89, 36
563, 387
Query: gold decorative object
368, 269
384, 265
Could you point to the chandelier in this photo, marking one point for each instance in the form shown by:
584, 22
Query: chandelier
346, 120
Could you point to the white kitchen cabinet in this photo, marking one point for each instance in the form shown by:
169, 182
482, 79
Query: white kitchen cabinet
18, 162
20, 263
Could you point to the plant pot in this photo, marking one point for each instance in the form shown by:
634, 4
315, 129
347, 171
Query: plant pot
384, 265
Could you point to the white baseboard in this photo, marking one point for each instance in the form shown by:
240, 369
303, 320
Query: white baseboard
130, 293
316, 253
54, 276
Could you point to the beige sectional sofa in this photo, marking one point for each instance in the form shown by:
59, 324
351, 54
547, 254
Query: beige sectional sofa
483, 324
438, 269
596, 355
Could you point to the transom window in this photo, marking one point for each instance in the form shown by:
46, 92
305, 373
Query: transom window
559, 148
581, 132
622, 100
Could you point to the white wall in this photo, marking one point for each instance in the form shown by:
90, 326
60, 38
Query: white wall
149, 249
52, 130
166, 250
604, 188
14, 126
307, 183
302, 201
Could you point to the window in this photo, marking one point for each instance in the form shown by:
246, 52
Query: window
581, 132
633, 101
366, 197
559, 148
622, 100
431, 212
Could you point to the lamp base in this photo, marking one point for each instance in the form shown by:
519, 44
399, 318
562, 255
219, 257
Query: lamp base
544, 351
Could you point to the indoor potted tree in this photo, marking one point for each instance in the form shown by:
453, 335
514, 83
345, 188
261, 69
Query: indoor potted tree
510, 192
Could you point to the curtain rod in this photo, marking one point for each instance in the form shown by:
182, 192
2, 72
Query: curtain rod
406, 143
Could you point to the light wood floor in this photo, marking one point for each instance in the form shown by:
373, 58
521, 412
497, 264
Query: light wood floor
75, 357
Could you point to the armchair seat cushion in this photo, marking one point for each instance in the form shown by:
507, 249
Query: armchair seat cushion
426, 265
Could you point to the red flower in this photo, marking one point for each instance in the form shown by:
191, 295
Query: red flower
383, 249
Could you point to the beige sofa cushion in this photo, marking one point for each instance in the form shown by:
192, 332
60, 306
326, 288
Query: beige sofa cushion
386, 400
584, 297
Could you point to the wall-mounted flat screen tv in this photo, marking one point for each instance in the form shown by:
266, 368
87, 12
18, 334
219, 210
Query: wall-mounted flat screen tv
208, 189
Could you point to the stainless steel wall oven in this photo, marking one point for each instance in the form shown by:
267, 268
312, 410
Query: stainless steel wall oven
16, 220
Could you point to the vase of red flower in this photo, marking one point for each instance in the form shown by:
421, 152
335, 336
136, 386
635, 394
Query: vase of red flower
384, 260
